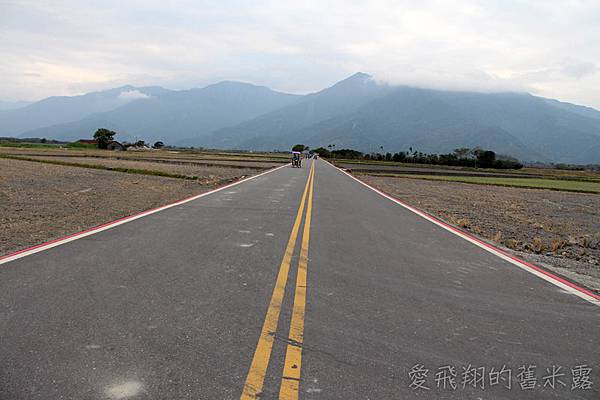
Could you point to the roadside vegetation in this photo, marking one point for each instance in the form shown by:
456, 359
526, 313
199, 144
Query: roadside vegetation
473, 166
464, 157
571, 185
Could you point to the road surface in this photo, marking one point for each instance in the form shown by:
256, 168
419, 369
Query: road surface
299, 283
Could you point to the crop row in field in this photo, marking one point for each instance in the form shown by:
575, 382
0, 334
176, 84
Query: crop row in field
569, 185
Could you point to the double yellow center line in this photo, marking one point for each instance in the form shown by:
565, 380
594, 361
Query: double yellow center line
293, 358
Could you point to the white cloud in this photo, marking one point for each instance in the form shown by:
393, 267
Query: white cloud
580, 69
548, 47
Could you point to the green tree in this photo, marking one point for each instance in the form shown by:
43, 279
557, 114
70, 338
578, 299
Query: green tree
158, 145
486, 158
322, 152
299, 147
103, 137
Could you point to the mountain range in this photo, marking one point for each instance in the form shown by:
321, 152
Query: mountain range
12, 105
357, 112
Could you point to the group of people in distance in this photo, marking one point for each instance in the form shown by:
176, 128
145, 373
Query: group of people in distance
297, 158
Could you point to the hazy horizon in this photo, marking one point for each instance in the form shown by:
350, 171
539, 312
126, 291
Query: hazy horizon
69, 48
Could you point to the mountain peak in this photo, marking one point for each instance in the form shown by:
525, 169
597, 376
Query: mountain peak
228, 82
357, 81
359, 77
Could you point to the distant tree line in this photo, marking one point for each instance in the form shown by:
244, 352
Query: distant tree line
30, 140
464, 157
104, 136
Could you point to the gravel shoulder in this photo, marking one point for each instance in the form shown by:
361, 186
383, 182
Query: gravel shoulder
40, 202
557, 230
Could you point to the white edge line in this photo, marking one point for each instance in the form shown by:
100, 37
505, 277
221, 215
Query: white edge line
525, 267
125, 220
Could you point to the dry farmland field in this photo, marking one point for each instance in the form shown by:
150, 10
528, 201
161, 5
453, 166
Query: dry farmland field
49, 193
547, 216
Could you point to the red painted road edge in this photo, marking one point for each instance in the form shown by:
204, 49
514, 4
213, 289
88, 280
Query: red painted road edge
474, 239
132, 217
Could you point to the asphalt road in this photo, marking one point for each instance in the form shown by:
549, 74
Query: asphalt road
295, 284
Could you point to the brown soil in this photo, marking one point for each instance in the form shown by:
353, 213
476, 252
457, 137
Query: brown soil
203, 172
40, 202
184, 155
557, 230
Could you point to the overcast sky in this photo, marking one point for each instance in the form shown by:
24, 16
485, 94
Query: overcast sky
547, 47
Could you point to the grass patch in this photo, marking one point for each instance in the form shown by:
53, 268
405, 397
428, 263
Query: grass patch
532, 183
78, 145
545, 173
30, 145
